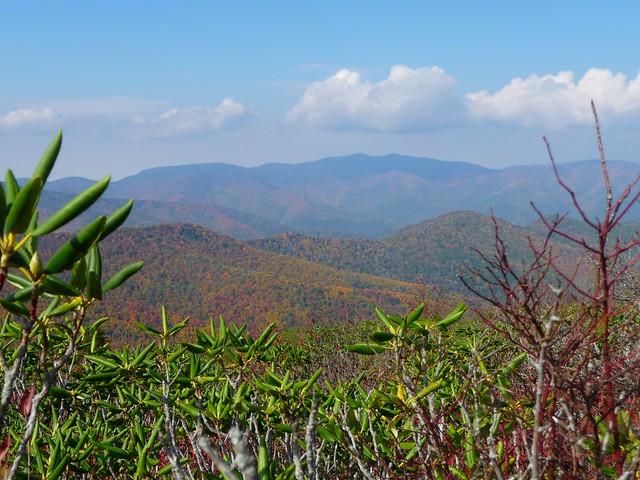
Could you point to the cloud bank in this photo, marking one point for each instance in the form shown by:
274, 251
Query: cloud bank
27, 116
408, 99
424, 98
558, 101
177, 121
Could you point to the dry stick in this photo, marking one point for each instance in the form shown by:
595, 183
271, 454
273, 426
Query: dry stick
295, 449
310, 439
171, 446
245, 461
205, 445
607, 309
537, 411
353, 447
10, 374
603, 161
194, 446
49, 381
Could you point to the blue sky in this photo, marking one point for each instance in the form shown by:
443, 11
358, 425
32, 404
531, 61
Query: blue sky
140, 84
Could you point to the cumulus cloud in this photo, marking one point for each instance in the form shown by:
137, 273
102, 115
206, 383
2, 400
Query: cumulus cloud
27, 116
408, 99
176, 121
557, 101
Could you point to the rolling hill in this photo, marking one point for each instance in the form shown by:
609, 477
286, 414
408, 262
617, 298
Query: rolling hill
434, 252
201, 274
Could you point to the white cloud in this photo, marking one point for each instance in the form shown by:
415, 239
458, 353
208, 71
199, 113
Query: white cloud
27, 116
408, 99
557, 101
195, 119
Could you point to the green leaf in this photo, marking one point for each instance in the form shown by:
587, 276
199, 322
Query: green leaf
18, 281
94, 260
79, 274
94, 288
453, 317
55, 286
99, 377
264, 335
513, 365
432, 387
142, 355
76, 247
74, 208
148, 329
165, 320
66, 307
122, 276
365, 348
11, 187
311, 381
59, 468
48, 159
103, 362
415, 314
381, 337
384, 319
33, 223
193, 348
21, 294
3, 208
23, 205
117, 218
263, 460
15, 308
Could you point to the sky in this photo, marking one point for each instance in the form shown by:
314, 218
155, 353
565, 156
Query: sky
139, 84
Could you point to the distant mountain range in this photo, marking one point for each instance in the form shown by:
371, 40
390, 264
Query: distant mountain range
353, 196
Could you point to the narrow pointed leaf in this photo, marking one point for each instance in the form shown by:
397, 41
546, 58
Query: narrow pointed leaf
116, 219
94, 287
55, 286
381, 337
48, 159
3, 209
23, 205
122, 276
415, 314
15, 308
76, 247
453, 317
11, 187
74, 208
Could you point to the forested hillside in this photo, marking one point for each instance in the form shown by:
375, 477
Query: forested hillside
435, 252
200, 274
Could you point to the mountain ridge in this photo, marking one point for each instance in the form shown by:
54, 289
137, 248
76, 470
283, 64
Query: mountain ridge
363, 196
